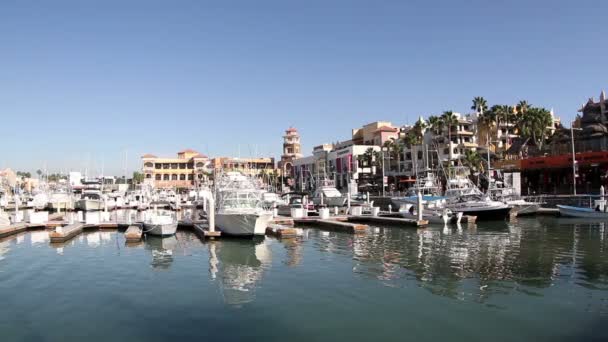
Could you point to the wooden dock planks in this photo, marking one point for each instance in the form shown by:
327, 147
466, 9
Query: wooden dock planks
280, 231
204, 233
333, 224
64, 233
133, 233
395, 221
12, 229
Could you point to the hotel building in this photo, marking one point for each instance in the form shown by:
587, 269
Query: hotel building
248, 166
185, 171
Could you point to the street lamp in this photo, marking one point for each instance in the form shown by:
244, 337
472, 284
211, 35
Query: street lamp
572, 129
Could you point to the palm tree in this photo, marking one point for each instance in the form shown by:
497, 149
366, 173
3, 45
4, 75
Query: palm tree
480, 105
397, 151
436, 124
522, 106
449, 120
534, 123
473, 160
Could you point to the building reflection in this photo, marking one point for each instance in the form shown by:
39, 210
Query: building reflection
481, 260
238, 267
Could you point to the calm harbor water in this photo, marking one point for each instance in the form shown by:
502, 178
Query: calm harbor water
540, 279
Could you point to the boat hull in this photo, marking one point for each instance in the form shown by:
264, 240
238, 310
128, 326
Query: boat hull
526, 209
89, 205
166, 229
245, 225
486, 213
569, 211
330, 201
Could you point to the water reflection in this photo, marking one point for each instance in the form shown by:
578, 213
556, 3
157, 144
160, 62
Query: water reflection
483, 259
162, 249
238, 266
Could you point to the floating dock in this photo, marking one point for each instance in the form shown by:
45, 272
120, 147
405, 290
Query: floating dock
203, 233
13, 229
280, 231
64, 233
394, 221
336, 224
133, 233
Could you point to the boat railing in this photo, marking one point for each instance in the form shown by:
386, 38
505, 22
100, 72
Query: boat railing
551, 201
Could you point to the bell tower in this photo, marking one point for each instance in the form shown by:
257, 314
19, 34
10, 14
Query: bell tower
291, 150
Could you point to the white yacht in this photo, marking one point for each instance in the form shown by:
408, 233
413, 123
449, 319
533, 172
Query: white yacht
90, 200
463, 196
326, 194
509, 196
160, 223
434, 210
91, 197
60, 199
239, 208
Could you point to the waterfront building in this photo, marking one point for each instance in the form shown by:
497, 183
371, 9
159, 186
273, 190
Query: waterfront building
548, 169
248, 166
291, 151
375, 133
186, 170
345, 163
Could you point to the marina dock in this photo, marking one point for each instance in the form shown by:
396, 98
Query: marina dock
134, 233
394, 221
13, 229
335, 224
280, 231
64, 233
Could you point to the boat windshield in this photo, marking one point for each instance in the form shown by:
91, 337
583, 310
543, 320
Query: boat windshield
331, 192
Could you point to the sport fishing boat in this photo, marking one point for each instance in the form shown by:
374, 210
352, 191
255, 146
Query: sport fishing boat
508, 195
90, 200
239, 207
427, 185
160, 223
326, 194
434, 210
464, 196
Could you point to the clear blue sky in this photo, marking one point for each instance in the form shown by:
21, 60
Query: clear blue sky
86, 80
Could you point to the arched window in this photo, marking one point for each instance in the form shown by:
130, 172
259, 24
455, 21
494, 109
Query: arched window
148, 164
182, 177
200, 165
165, 177
158, 177
173, 177
148, 175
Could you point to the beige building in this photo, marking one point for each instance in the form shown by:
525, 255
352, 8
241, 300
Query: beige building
185, 171
249, 166
375, 133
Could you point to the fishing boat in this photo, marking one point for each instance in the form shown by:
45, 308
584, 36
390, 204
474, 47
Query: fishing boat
598, 212
326, 194
581, 212
160, 223
90, 200
239, 208
434, 210
464, 196
60, 199
427, 185
500, 191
